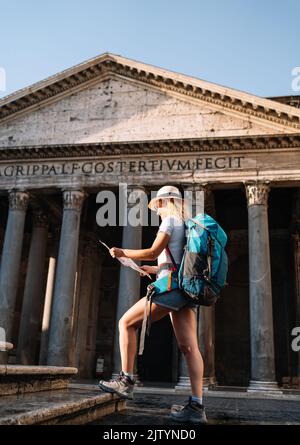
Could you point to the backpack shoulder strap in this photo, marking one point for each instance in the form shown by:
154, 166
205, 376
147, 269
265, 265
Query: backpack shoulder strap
171, 256
210, 245
205, 228
199, 224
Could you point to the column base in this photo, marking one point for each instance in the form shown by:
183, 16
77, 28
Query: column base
209, 383
138, 382
5, 346
264, 386
183, 383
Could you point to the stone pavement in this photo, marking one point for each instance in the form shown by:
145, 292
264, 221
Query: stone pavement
224, 408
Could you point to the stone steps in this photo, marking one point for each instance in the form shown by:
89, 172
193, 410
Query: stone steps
43, 395
76, 405
17, 379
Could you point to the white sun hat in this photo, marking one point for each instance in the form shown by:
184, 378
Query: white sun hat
167, 191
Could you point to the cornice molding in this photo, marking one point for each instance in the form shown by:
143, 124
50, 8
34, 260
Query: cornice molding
169, 146
109, 65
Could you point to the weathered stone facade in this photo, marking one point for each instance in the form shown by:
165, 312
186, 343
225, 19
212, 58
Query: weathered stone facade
113, 120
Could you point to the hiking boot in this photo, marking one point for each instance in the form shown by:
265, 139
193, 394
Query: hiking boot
123, 386
191, 412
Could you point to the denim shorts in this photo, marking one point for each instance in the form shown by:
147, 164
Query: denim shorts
175, 300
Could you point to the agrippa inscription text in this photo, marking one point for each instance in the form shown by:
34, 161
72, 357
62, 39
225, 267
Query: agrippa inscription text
128, 166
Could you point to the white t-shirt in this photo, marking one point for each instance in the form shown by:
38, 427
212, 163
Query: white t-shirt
175, 227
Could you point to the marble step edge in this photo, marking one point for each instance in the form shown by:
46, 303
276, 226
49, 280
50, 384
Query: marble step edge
15, 379
77, 412
37, 370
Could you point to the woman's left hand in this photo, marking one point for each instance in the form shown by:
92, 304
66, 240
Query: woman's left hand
116, 252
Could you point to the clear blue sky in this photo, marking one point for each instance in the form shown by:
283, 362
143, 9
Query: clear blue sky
251, 45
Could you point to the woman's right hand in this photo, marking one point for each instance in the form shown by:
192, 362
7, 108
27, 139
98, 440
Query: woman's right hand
149, 269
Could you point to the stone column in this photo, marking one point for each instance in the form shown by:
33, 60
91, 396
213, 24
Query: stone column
261, 311
201, 199
206, 321
93, 319
1, 243
90, 271
33, 300
129, 282
10, 263
60, 351
296, 252
296, 249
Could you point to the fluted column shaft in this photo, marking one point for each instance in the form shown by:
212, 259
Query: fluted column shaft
60, 352
11, 258
33, 300
129, 283
90, 270
206, 321
296, 252
201, 199
261, 311
296, 247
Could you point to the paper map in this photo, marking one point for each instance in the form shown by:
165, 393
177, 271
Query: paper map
128, 262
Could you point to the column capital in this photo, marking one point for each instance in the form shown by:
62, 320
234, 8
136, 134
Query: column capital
73, 199
197, 186
201, 195
204, 187
133, 193
257, 193
39, 218
132, 187
18, 199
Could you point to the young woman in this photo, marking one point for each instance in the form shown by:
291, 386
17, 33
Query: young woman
172, 209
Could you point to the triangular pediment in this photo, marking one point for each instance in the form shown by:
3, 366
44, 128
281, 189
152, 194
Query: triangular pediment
123, 100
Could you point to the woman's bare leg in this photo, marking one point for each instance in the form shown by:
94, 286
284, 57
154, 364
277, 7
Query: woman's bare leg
185, 329
128, 325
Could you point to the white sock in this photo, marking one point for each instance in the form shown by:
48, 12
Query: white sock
128, 375
197, 399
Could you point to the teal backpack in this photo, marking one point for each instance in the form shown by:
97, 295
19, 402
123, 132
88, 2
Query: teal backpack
204, 265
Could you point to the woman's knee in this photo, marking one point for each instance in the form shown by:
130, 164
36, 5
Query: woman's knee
126, 322
123, 323
187, 347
